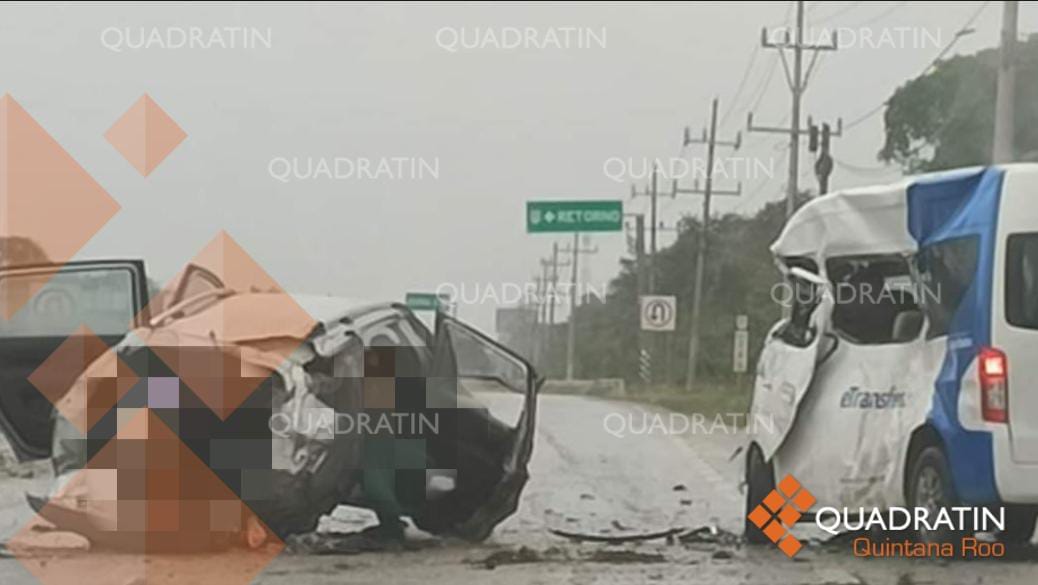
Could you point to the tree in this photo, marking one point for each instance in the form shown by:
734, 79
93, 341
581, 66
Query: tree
739, 277
18, 250
945, 118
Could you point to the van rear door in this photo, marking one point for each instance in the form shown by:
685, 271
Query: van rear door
49, 305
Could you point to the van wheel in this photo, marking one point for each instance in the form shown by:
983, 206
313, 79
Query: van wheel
1020, 524
930, 487
760, 480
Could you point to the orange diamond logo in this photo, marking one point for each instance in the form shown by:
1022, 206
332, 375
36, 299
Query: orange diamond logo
779, 511
201, 328
89, 401
146, 494
145, 135
47, 202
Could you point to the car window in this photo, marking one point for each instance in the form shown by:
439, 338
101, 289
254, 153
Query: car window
101, 300
1022, 280
411, 349
875, 301
487, 371
196, 280
946, 271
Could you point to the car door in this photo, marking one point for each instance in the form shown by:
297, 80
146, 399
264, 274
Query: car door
494, 393
75, 302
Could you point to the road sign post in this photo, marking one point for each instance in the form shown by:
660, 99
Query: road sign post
741, 348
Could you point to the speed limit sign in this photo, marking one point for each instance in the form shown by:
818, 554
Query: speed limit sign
658, 312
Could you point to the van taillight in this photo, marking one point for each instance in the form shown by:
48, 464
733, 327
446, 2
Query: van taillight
994, 385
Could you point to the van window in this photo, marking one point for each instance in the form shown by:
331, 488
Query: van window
874, 299
1022, 280
946, 271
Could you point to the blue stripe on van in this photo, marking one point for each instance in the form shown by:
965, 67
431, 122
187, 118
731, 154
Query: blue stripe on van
942, 209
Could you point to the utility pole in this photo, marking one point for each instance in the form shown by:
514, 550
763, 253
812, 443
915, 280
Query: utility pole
1002, 150
541, 313
653, 193
697, 295
797, 80
552, 295
571, 332
636, 246
530, 306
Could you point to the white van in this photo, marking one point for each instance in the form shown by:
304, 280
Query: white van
907, 371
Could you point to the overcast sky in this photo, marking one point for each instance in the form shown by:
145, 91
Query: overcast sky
502, 125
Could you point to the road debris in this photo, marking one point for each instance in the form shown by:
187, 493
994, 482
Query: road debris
322, 543
624, 556
618, 538
710, 534
521, 555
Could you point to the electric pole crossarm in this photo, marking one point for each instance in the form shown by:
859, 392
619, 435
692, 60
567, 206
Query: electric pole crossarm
769, 129
704, 140
787, 43
697, 191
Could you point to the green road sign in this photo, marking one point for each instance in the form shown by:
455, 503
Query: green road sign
422, 301
574, 216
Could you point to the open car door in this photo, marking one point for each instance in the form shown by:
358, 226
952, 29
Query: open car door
493, 392
787, 363
92, 303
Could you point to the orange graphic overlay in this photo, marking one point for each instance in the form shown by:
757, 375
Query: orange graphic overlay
780, 510
202, 326
148, 493
46, 198
88, 401
145, 135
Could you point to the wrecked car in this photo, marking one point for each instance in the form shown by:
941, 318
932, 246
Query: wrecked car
257, 410
903, 373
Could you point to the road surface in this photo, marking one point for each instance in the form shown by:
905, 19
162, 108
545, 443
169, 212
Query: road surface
587, 481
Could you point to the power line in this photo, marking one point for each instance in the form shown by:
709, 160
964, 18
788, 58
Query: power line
864, 171
839, 12
963, 31
882, 15
734, 103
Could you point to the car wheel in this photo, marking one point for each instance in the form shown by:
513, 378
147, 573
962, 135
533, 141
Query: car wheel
760, 480
930, 487
1020, 524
